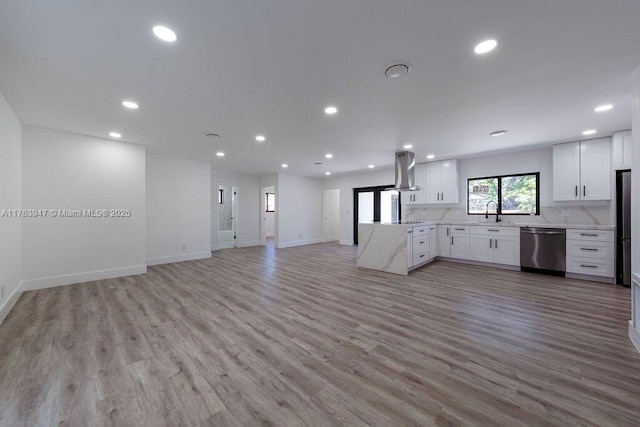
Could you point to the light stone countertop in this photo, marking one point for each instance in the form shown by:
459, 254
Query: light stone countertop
506, 224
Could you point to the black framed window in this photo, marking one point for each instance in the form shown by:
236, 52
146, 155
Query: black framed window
220, 196
517, 194
270, 202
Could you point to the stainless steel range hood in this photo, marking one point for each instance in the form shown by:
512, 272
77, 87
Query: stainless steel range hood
406, 171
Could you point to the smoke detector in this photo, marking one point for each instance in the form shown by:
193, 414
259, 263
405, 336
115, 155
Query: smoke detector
397, 69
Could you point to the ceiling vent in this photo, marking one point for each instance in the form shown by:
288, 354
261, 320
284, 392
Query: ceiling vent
397, 70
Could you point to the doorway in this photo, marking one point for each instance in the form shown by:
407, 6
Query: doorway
331, 215
375, 204
268, 214
227, 199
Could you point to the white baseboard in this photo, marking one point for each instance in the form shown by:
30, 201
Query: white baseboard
178, 258
249, 244
214, 248
50, 282
298, 243
10, 302
346, 242
331, 239
634, 335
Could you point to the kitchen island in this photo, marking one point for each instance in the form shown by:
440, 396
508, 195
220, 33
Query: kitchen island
393, 247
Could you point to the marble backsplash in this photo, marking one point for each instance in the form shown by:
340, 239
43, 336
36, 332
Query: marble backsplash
587, 215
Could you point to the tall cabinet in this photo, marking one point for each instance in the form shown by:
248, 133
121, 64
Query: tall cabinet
582, 170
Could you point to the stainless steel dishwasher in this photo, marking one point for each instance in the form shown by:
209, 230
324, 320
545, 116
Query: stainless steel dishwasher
543, 250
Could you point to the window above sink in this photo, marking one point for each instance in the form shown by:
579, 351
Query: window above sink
513, 194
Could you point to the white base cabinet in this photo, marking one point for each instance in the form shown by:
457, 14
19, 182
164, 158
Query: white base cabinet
444, 240
460, 242
591, 252
498, 245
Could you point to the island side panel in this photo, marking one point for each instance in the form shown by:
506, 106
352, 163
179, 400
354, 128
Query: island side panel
383, 247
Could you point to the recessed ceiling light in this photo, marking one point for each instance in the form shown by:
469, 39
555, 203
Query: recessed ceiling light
430, 156
327, 173
601, 108
329, 156
130, 104
284, 165
220, 154
164, 33
407, 146
397, 70
372, 166
260, 138
330, 110
115, 135
498, 133
485, 46
589, 132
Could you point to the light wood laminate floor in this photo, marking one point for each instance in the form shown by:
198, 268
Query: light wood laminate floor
301, 336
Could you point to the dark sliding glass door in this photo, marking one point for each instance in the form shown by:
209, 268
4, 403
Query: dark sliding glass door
374, 204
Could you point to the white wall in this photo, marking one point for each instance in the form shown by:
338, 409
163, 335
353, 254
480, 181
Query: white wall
178, 209
299, 211
346, 184
249, 207
10, 198
68, 171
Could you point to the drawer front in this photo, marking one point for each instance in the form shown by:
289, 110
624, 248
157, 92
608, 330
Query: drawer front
421, 231
590, 266
459, 229
420, 242
419, 258
590, 249
596, 235
495, 231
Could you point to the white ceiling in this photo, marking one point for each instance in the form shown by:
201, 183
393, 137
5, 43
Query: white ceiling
242, 68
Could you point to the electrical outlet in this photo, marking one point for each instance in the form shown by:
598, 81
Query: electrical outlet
565, 213
2, 291
184, 247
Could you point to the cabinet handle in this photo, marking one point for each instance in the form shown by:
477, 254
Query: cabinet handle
584, 191
589, 234
422, 256
589, 249
576, 191
459, 229
490, 243
496, 243
589, 266
442, 197
447, 231
422, 243
451, 240
492, 229
437, 196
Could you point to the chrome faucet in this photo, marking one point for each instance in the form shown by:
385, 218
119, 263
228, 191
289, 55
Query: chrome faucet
486, 212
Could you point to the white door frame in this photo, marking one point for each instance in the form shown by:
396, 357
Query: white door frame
234, 205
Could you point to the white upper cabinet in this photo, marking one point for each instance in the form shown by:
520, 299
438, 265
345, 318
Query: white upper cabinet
582, 170
416, 197
442, 182
621, 150
566, 171
595, 169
